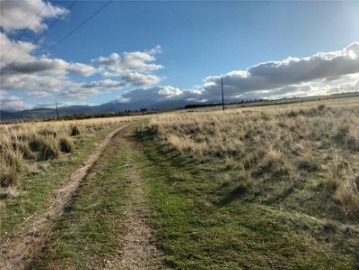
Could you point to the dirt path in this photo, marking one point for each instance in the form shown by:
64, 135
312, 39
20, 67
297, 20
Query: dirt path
18, 252
137, 252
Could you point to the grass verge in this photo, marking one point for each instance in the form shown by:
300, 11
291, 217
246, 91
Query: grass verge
204, 222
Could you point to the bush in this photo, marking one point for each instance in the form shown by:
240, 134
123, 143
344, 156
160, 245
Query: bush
66, 145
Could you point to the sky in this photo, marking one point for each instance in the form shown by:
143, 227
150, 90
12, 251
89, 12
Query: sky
94, 52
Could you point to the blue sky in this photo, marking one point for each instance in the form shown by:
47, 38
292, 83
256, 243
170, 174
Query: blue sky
171, 50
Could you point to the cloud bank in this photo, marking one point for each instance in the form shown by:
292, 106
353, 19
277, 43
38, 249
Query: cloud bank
320, 74
294, 72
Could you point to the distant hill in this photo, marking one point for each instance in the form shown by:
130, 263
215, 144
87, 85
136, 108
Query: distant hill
7, 116
115, 106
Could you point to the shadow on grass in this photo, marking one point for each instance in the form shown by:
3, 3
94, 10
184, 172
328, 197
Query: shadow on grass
176, 159
237, 193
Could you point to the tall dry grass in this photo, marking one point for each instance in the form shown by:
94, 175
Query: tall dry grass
22, 143
270, 144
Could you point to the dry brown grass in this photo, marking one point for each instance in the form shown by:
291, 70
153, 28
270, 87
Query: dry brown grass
23, 143
307, 141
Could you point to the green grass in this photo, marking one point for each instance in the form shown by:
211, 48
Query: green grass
89, 230
205, 222
36, 187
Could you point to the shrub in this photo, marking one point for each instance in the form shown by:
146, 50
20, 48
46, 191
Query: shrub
66, 145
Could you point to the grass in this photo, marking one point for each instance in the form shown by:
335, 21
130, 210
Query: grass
253, 188
205, 219
38, 178
274, 150
87, 233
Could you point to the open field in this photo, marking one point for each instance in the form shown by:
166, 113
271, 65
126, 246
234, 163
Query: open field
267, 187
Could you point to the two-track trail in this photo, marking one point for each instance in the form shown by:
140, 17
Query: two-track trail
135, 250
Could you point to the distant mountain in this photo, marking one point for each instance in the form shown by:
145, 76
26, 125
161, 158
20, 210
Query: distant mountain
7, 116
115, 106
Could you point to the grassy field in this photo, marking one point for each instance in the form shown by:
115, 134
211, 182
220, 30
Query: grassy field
30, 174
269, 187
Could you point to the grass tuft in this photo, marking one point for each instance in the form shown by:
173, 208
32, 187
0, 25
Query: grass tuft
66, 145
75, 131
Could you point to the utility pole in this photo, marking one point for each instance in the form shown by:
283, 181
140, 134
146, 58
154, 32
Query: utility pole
57, 112
222, 93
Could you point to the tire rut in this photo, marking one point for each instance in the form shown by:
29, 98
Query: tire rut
137, 251
19, 251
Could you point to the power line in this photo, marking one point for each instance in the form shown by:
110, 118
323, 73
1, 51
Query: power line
53, 23
81, 24
25, 30
222, 93
43, 33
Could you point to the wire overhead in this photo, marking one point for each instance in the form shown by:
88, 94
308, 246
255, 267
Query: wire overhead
25, 30
43, 33
81, 24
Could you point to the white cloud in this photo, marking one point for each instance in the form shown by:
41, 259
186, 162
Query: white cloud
170, 92
11, 51
291, 71
129, 62
17, 15
12, 103
154, 94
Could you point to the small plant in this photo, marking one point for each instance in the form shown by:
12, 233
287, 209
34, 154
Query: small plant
49, 149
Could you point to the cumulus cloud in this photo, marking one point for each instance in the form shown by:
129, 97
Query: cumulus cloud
10, 51
291, 71
154, 94
128, 62
162, 94
17, 15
